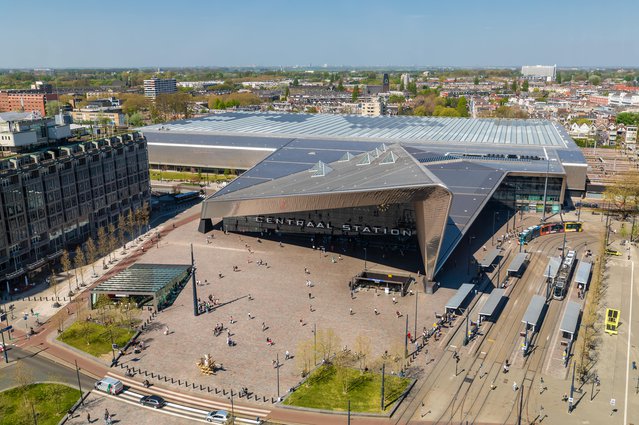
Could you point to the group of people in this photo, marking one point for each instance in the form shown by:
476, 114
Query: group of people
218, 329
207, 306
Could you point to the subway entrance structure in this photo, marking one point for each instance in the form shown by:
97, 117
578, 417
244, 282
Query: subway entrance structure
398, 183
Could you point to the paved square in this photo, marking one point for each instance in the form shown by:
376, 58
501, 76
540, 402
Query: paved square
280, 301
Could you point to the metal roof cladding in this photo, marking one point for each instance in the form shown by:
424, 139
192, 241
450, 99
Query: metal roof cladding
394, 129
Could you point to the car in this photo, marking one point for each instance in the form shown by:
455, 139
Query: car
613, 252
154, 401
219, 416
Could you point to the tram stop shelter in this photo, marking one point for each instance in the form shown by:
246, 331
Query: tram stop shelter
456, 301
552, 268
532, 317
582, 277
517, 265
570, 320
489, 258
492, 304
156, 284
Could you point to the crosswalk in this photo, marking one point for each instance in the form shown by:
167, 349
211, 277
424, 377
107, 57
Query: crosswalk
186, 405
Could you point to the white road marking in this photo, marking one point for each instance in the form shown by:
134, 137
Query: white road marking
632, 294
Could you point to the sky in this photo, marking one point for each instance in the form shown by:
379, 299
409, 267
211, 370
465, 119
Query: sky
219, 33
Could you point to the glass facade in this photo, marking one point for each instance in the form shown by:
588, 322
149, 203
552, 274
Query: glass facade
527, 193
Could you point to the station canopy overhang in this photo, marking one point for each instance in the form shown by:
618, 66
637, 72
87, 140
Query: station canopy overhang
152, 281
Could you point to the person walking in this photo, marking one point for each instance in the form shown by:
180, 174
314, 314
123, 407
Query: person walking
263, 326
89, 417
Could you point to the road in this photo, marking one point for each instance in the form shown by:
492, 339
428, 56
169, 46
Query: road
42, 369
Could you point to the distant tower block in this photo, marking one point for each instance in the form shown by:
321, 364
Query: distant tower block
385, 84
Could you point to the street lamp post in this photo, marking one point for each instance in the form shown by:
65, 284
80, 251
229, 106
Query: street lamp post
314, 344
277, 366
365, 258
416, 292
232, 409
543, 214
493, 237
470, 260
383, 376
77, 371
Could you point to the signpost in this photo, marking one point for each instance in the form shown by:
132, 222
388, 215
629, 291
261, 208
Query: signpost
4, 347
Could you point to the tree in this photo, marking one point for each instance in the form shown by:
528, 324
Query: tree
524, 85
401, 86
462, 106
412, 88
79, 262
343, 363
296, 82
134, 103
594, 79
362, 350
136, 120
340, 85
52, 108
327, 343
92, 253
65, 262
476, 81
558, 77
443, 111
112, 240
628, 118
287, 92
513, 86
121, 226
304, 356
355, 95
130, 224
53, 284
396, 98
103, 242
624, 194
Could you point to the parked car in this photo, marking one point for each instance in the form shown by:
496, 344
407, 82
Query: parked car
154, 401
109, 385
613, 252
218, 416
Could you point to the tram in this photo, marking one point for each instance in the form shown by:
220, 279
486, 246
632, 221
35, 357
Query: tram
547, 229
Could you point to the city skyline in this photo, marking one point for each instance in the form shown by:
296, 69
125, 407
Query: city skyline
283, 33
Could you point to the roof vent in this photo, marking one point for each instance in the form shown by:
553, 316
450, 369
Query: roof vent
383, 147
320, 169
346, 157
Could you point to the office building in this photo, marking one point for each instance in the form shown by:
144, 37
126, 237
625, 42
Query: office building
156, 86
539, 72
373, 108
404, 183
56, 198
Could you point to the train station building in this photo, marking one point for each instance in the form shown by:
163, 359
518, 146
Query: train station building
401, 183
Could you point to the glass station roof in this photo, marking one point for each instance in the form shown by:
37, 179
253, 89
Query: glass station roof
143, 278
390, 129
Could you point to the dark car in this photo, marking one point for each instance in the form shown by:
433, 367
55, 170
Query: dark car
154, 401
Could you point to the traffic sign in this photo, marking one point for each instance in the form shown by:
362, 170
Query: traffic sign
8, 328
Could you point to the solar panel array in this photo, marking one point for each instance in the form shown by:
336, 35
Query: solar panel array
396, 128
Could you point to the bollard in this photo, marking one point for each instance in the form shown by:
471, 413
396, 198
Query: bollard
179, 382
201, 387
223, 391
208, 389
231, 393
146, 373
172, 381
216, 390
152, 375
166, 379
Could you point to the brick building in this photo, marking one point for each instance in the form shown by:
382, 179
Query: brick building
25, 101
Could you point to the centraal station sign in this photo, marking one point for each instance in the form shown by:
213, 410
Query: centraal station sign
327, 225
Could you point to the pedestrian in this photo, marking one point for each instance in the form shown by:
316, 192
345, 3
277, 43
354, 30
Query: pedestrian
231, 321
106, 414
350, 311
310, 307
263, 326
310, 296
249, 316
88, 417
287, 355
515, 388
394, 300
376, 312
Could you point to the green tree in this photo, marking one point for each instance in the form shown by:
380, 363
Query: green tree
79, 262
594, 79
396, 98
513, 86
287, 92
52, 108
296, 82
65, 262
476, 81
524, 85
112, 240
92, 253
53, 284
624, 194
412, 88
102, 242
133, 103
340, 85
628, 118
136, 120
401, 86
558, 77
462, 106
355, 95
443, 111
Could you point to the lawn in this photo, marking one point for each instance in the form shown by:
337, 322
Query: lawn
324, 390
50, 403
98, 337
188, 177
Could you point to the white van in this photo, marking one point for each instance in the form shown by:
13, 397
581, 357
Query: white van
109, 385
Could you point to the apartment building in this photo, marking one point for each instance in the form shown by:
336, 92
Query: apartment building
56, 198
25, 101
156, 86
539, 72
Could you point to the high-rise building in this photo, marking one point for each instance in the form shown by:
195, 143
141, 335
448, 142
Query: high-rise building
405, 78
539, 72
385, 84
374, 108
156, 86
56, 198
